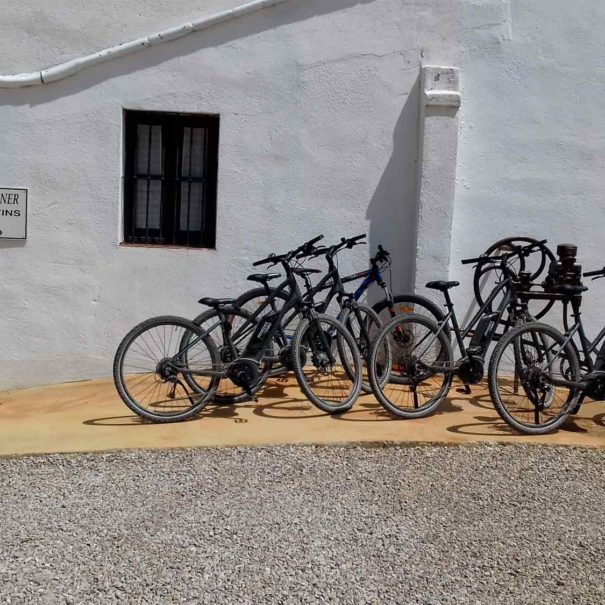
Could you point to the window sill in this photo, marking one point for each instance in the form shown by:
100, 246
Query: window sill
164, 247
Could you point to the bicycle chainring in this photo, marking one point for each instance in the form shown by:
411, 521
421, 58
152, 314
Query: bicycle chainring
595, 386
244, 373
471, 370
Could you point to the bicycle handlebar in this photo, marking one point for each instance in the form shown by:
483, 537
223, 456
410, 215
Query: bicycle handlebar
527, 249
523, 250
381, 256
304, 249
271, 259
353, 240
598, 273
481, 259
325, 250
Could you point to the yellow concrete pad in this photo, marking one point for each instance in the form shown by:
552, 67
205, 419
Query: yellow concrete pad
89, 416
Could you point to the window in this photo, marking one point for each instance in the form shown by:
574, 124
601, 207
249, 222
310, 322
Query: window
170, 170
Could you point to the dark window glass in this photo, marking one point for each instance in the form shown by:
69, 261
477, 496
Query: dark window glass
170, 170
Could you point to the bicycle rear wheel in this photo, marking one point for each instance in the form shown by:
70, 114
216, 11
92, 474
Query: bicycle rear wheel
364, 325
327, 364
406, 304
525, 379
151, 369
417, 358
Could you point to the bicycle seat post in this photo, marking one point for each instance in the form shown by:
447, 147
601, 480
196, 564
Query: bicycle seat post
448, 301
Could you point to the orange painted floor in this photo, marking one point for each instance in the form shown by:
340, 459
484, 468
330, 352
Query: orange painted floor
89, 416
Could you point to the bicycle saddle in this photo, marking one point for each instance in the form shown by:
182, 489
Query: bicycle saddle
217, 302
302, 272
442, 285
263, 278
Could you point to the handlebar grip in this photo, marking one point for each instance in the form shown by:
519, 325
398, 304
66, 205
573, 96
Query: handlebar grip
319, 251
526, 250
265, 261
594, 273
470, 261
481, 259
313, 241
352, 241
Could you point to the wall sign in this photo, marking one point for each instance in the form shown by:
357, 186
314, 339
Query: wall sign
13, 213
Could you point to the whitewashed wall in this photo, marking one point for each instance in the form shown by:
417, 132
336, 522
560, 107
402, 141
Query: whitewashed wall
319, 118
531, 156
319, 132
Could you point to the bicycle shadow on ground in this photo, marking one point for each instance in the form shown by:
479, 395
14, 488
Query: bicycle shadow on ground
482, 401
212, 410
374, 412
284, 405
490, 426
128, 420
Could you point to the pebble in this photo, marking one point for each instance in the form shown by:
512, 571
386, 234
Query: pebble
305, 524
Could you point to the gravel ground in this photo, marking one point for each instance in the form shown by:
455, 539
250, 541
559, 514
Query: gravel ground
422, 524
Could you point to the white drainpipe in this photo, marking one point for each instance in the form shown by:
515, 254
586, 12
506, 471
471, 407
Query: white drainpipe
69, 68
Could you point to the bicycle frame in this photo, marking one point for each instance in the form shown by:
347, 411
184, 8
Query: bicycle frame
588, 347
508, 300
295, 300
370, 276
331, 280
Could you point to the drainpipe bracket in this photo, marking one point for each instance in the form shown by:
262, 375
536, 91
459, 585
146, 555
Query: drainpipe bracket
440, 86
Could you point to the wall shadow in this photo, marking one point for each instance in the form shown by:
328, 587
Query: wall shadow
392, 212
218, 35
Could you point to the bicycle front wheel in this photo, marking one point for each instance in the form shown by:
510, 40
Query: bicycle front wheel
416, 356
152, 369
327, 364
528, 378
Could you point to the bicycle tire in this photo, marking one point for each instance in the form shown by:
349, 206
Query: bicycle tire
124, 389
346, 318
300, 344
408, 303
445, 357
495, 382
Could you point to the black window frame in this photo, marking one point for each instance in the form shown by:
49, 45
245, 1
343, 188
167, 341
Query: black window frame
171, 179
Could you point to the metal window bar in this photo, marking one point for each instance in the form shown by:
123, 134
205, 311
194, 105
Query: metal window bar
170, 130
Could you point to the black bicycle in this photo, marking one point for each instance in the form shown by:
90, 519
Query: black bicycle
539, 376
419, 361
387, 308
329, 294
360, 320
168, 368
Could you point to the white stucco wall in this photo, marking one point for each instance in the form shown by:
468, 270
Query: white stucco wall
531, 147
319, 110
319, 117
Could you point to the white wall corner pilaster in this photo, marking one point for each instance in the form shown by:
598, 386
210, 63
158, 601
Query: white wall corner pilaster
438, 145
